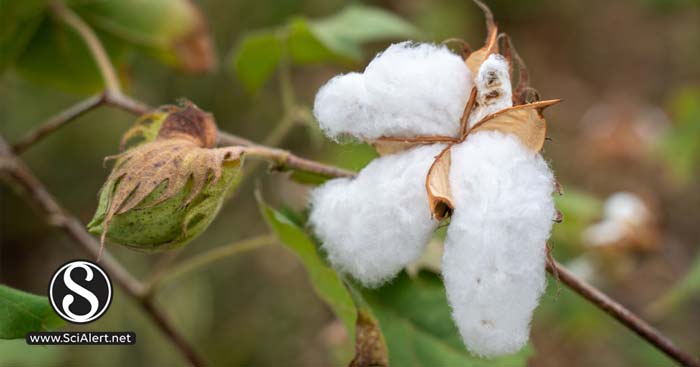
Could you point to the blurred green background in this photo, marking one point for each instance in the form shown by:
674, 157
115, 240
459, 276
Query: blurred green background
627, 70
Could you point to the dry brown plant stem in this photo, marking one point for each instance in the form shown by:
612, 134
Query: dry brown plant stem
13, 170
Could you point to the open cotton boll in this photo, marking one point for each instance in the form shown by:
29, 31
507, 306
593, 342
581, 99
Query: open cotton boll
493, 264
341, 105
494, 91
373, 225
407, 90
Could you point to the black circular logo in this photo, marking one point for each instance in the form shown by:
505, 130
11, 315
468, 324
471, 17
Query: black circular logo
80, 292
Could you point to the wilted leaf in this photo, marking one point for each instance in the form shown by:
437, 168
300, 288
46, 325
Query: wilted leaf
370, 349
58, 57
415, 319
22, 312
524, 121
256, 58
437, 183
174, 31
148, 183
325, 280
476, 58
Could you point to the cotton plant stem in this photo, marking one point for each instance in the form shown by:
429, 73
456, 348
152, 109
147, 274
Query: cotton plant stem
621, 314
35, 193
207, 258
18, 175
104, 65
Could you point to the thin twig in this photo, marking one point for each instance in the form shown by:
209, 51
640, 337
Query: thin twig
20, 177
621, 314
98, 52
206, 258
56, 122
37, 194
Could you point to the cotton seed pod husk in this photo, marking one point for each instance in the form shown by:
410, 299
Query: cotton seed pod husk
166, 190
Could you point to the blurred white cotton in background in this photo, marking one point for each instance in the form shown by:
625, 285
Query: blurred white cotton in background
493, 264
623, 213
373, 225
407, 90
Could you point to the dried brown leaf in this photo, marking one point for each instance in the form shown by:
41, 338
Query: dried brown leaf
477, 57
370, 349
391, 145
437, 183
387, 147
524, 121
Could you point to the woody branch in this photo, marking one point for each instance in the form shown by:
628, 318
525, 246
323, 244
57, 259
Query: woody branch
35, 193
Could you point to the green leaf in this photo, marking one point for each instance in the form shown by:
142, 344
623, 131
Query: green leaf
22, 312
326, 282
580, 210
340, 37
305, 47
357, 24
686, 289
680, 147
337, 39
173, 31
415, 319
308, 178
58, 57
256, 58
18, 22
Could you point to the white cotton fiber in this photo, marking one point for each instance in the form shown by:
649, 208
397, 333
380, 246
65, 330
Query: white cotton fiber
407, 90
494, 90
493, 264
373, 225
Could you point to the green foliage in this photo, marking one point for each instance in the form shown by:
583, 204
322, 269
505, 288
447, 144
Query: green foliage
415, 319
70, 65
336, 39
256, 58
18, 22
47, 51
680, 148
686, 289
162, 28
580, 210
325, 280
22, 312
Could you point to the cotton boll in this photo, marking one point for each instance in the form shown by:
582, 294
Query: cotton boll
406, 91
341, 105
375, 224
493, 264
625, 216
626, 207
494, 91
